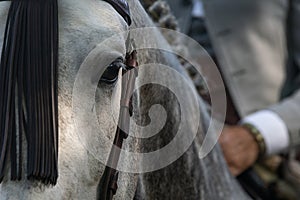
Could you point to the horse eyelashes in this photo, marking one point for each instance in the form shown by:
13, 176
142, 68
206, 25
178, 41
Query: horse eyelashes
111, 73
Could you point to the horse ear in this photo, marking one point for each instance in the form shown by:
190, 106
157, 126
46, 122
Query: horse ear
28, 90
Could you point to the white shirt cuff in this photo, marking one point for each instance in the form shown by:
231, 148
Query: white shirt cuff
272, 128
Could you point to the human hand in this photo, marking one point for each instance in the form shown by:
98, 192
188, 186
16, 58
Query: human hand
239, 147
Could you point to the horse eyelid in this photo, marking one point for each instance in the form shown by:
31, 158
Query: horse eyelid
111, 73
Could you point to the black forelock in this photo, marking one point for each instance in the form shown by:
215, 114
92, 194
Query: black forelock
28, 90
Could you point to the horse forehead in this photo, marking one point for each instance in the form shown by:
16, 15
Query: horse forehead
97, 14
88, 19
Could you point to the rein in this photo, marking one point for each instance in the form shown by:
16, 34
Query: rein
108, 186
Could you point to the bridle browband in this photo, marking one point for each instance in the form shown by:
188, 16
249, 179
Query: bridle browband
122, 7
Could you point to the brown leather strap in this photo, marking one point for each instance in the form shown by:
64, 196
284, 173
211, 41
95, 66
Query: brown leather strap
108, 186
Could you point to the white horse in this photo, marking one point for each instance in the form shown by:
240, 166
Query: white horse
83, 26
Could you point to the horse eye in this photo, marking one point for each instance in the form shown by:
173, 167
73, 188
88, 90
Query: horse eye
111, 73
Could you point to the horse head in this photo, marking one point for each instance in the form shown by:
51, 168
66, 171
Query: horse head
93, 37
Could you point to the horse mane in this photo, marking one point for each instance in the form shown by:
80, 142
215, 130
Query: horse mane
28, 90
163, 17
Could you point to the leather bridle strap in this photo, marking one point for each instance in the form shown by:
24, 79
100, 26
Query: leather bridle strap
108, 186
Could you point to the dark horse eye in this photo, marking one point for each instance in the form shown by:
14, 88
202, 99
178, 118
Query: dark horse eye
111, 73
